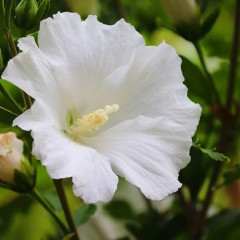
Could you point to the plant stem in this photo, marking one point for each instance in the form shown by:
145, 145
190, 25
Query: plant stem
63, 199
36, 195
226, 133
233, 57
10, 98
2, 8
208, 75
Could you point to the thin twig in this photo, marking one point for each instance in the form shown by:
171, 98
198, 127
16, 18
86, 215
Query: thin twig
233, 57
63, 199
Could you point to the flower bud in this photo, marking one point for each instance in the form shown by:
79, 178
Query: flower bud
11, 155
43, 7
26, 11
181, 11
30, 12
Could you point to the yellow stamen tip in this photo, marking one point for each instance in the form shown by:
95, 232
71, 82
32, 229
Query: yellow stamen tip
92, 121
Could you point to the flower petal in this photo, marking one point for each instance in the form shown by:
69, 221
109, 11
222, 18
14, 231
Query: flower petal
148, 152
151, 85
92, 175
84, 53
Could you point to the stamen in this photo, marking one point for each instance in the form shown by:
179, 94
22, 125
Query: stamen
92, 121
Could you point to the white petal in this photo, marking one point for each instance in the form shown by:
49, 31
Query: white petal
92, 175
37, 118
84, 53
152, 85
148, 152
30, 71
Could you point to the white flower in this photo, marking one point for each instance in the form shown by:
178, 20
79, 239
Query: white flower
105, 104
11, 155
181, 10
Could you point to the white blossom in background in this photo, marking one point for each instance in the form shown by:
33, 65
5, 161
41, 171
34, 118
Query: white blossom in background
181, 10
11, 156
105, 105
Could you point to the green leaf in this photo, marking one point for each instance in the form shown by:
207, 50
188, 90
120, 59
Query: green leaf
195, 80
209, 22
9, 111
224, 225
213, 154
69, 236
84, 213
231, 176
53, 199
121, 210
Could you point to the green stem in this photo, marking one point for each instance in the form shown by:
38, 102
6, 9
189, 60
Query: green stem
8, 14
233, 58
208, 75
37, 196
66, 209
2, 8
10, 98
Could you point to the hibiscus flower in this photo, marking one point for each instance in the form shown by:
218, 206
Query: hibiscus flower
105, 105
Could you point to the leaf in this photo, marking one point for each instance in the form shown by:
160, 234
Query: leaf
224, 225
9, 111
213, 154
84, 213
121, 210
69, 236
195, 80
231, 176
209, 22
53, 199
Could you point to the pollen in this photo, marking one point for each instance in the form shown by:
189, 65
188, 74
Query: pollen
92, 121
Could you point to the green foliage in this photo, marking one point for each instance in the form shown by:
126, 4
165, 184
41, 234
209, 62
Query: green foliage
231, 175
84, 213
69, 236
121, 210
30, 12
212, 153
195, 81
224, 225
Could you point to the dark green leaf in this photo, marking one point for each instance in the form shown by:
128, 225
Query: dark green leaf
209, 22
84, 213
195, 81
224, 226
121, 210
231, 176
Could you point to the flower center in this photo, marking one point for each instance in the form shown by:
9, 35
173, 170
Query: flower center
92, 121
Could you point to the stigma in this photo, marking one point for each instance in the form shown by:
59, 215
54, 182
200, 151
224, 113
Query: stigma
92, 121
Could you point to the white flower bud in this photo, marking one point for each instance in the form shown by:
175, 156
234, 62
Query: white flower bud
181, 10
11, 155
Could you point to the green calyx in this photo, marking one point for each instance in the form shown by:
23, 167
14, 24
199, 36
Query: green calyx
30, 12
